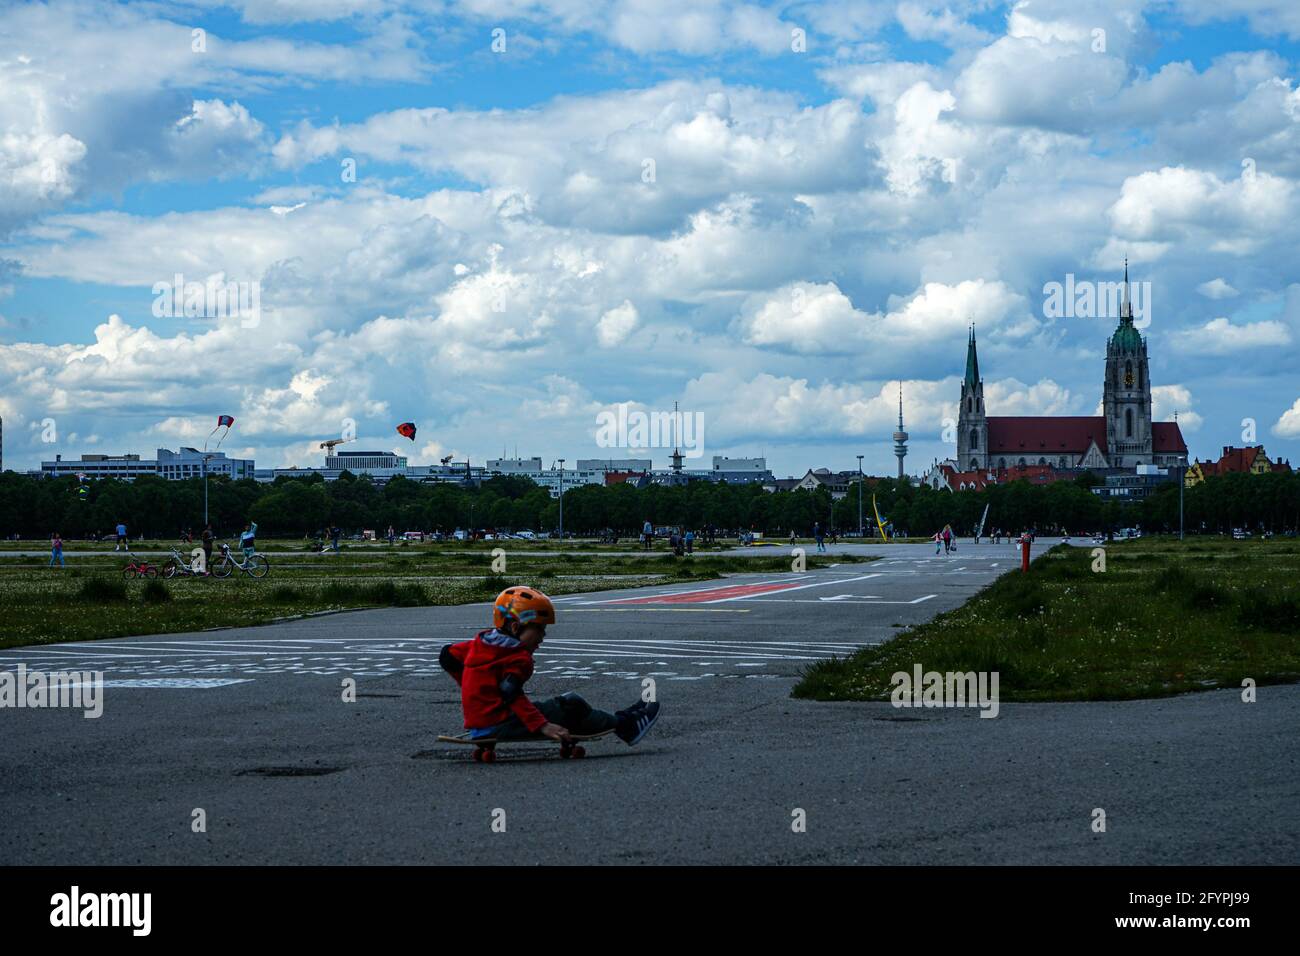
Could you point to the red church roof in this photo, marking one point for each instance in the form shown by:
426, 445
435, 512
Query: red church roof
1167, 437
1023, 435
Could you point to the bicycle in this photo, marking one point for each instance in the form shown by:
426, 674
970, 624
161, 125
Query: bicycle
179, 566
255, 566
137, 568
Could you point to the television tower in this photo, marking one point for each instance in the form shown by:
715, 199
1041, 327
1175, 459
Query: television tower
900, 436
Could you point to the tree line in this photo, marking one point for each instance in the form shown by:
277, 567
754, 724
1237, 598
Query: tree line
32, 507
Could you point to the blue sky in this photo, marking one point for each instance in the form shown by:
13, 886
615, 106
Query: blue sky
819, 226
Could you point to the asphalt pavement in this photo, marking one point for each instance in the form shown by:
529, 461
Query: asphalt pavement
249, 726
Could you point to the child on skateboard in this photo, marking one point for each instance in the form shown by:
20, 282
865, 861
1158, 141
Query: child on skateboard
492, 669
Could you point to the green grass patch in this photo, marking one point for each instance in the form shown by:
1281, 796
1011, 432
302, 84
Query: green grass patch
155, 592
1156, 622
102, 590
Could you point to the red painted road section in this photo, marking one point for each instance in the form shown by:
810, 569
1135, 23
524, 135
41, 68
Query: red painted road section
712, 594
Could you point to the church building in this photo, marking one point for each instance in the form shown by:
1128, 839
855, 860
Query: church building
1123, 437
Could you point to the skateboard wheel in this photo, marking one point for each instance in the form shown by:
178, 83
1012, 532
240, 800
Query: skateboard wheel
579, 751
478, 754
488, 755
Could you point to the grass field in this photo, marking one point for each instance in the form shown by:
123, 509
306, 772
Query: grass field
90, 600
1162, 618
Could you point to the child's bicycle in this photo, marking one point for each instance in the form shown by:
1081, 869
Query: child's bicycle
138, 568
256, 566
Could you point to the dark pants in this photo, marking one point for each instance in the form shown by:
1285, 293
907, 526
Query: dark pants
569, 711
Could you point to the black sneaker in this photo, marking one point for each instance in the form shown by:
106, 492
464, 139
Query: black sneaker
636, 722
630, 713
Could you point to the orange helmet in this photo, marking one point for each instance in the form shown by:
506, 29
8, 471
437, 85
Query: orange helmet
522, 605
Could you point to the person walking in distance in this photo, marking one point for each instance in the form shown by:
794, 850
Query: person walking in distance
56, 550
122, 541
647, 534
947, 538
820, 535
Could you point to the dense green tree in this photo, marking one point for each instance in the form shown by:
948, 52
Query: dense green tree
35, 507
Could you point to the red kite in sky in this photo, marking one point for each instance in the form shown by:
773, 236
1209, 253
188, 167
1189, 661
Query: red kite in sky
223, 421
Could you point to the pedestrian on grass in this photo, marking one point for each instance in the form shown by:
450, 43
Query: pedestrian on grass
248, 540
56, 550
208, 539
122, 541
820, 536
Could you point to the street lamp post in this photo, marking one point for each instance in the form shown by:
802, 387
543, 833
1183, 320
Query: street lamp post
561, 500
205, 487
859, 496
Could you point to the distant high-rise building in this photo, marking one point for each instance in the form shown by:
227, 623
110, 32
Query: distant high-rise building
171, 465
366, 462
615, 464
514, 466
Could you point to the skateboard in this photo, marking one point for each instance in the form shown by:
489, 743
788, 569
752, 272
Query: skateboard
485, 747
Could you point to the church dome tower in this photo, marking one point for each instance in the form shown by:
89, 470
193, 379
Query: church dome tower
1126, 395
972, 422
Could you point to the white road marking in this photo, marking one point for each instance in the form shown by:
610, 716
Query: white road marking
179, 683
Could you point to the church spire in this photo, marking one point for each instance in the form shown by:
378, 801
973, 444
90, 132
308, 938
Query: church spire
972, 361
1126, 337
1126, 313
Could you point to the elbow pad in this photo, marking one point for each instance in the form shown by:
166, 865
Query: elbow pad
448, 660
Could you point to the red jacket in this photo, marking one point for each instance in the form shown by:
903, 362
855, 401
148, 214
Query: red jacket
479, 667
